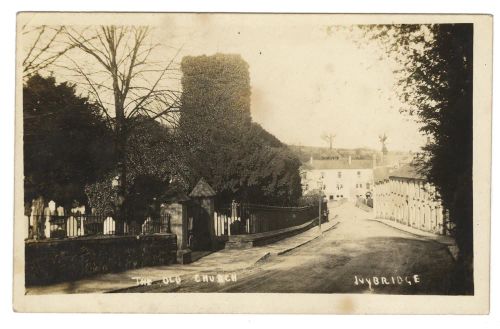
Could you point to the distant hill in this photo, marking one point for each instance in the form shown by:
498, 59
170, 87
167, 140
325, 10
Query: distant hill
304, 153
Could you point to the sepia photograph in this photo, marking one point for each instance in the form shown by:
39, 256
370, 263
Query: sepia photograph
179, 155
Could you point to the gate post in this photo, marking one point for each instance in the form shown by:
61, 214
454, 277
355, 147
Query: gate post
178, 214
204, 197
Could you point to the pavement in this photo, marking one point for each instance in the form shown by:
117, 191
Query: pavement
224, 261
446, 240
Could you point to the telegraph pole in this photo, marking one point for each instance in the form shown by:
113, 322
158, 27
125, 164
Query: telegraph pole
319, 218
320, 188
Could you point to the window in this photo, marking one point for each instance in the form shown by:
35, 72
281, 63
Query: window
367, 186
359, 174
331, 197
339, 174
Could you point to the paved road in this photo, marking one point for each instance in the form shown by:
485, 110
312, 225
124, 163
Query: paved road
357, 256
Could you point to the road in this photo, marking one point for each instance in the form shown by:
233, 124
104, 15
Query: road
357, 256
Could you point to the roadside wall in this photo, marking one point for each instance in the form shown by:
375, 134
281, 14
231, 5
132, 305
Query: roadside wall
51, 261
244, 241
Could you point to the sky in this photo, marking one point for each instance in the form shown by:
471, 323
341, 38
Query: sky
310, 75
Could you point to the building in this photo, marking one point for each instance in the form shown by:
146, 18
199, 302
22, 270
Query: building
344, 178
404, 196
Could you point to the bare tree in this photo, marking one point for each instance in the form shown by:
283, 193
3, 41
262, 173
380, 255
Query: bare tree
117, 66
328, 138
45, 47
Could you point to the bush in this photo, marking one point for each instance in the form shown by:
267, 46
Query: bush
310, 199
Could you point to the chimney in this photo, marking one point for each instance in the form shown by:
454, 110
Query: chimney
350, 160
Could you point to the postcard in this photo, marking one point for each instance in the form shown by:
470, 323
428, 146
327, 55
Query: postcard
252, 163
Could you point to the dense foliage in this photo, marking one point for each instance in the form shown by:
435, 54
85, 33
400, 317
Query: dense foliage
436, 84
66, 143
151, 164
219, 141
310, 198
101, 195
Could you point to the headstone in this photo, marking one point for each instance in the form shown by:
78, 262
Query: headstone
109, 226
46, 225
71, 227
60, 211
146, 226
78, 210
52, 207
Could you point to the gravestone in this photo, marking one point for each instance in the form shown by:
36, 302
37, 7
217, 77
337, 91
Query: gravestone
49, 212
109, 226
146, 227
60, 211
52, 206
80, 212
71, 227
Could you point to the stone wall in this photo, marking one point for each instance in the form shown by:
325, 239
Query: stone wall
244, 241
51, 261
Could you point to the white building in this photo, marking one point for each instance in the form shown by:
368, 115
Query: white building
342, 178
405, 197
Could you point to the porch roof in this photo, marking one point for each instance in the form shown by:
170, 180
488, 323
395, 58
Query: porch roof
202, 190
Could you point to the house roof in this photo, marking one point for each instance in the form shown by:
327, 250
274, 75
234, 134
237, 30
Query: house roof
340, 164
381, 173
407, 171
202, 189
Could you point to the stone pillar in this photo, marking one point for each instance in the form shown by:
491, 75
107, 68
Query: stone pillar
179, 226
207, 204
203, 196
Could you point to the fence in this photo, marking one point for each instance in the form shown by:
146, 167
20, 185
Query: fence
241, 218
78, 225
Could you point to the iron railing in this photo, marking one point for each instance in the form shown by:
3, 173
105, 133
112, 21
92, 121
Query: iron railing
78, 225
242, 218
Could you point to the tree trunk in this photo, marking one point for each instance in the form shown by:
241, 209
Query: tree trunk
121, 143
